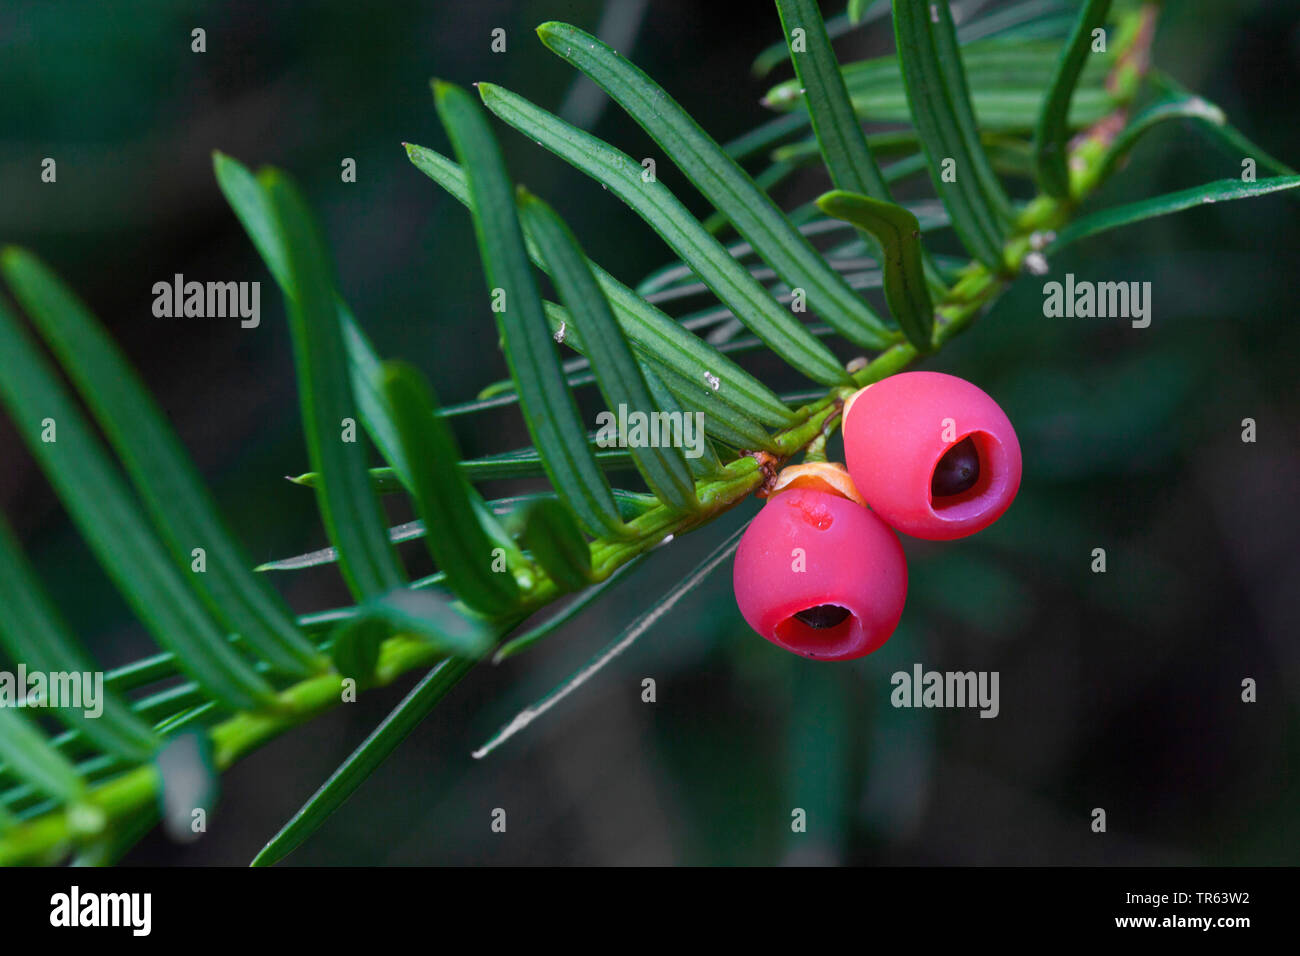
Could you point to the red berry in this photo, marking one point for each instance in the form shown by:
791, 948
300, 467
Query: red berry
933, 455
820, 575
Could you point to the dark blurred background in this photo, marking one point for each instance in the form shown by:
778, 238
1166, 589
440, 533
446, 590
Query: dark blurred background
1118, 690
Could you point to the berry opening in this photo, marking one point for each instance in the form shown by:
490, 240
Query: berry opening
833, 631
968, 477
823, 616
957, 471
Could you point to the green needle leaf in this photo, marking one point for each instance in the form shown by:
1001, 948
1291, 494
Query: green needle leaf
27, 752
1032, 19
652, 333
169, 485
432, 616
364, 373
349, 509
862, 12
549, 409
1232, 140
836, 27
616, 369
726, 423
631, 505
664, 213
1053, 127
1222, 190
575, 607
363, 761
899, 235
839, 133
248, 199
1241, 147
556, 543
674, 393
526, 464
450, 508
765, 135
356, 647
707, 463
677, 280
1008, 84
625, 640
940, 104
1177, 108
32, 633
113, 525
722, 418
722, 181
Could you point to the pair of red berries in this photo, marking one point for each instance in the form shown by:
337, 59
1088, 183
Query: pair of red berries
819, 574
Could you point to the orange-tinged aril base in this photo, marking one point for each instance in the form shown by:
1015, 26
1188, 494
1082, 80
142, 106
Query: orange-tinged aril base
828, 476
819, 575
932, 454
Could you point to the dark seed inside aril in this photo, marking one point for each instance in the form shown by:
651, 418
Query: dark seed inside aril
957, 471
823, 616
